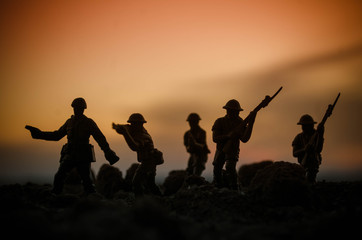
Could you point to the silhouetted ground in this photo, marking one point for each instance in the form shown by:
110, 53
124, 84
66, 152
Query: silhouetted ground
198, 210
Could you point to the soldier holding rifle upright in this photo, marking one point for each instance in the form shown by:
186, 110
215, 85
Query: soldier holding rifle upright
308, 145
228, 131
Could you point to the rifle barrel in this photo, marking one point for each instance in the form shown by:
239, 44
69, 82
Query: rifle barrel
335, 101
276, 93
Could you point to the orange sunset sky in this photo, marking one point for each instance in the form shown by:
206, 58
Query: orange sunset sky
165, 59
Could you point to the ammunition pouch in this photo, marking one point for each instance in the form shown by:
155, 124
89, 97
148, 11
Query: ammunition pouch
153, 156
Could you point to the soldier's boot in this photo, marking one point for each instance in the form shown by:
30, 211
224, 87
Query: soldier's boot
57, 190
231, 175
89, 189
217, 181
311, 176
231, 181
198, 168
155, 190
58, 184
87, 183
137, 185
198, 171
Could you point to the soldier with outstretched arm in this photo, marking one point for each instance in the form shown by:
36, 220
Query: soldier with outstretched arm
140, 141
77, 152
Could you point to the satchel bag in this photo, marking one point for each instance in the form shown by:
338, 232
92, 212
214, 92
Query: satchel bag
157, 156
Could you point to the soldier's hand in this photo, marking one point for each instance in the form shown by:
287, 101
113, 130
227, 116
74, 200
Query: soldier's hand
309, 148
320, 129
192, 140
35, 132
111, 156
252, 117
232, 134
119, 128
266, 100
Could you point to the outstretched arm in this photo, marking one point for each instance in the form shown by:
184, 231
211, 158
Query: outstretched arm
123, 130
36, 133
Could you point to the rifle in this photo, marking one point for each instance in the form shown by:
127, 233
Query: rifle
315, 137
265, 102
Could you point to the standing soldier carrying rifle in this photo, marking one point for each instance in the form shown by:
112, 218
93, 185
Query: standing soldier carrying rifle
308, 145
228, 131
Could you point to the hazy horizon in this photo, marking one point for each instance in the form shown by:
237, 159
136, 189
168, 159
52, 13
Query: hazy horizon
167, 59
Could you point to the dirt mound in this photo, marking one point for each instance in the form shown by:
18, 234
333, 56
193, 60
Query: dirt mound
173, 182
247, 172
281, 183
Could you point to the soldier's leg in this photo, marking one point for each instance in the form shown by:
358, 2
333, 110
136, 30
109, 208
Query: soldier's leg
64, 168
230, 168
199, 164
190, 163
151, 183
311, 173
218, 163
84, 173
138, 180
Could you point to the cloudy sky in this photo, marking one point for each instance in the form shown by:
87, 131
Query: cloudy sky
166, 59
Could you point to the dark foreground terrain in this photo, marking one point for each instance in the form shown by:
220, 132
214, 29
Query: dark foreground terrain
197, 210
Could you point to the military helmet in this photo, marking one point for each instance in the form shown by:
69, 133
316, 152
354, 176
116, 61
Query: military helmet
136, 117
79, 103
193, 117
233, 104
306, 119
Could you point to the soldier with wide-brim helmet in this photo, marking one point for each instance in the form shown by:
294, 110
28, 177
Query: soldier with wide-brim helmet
309, 156
196, 146
140, 141
77, 152
227, 129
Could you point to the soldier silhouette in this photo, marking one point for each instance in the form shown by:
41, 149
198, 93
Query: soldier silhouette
77, 152
195, 143
227, 131
140, 141
308, 145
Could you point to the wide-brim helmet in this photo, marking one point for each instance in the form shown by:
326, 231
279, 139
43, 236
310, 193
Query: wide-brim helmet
193, 117
233, 104
79, 103
136, 117
306, 119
